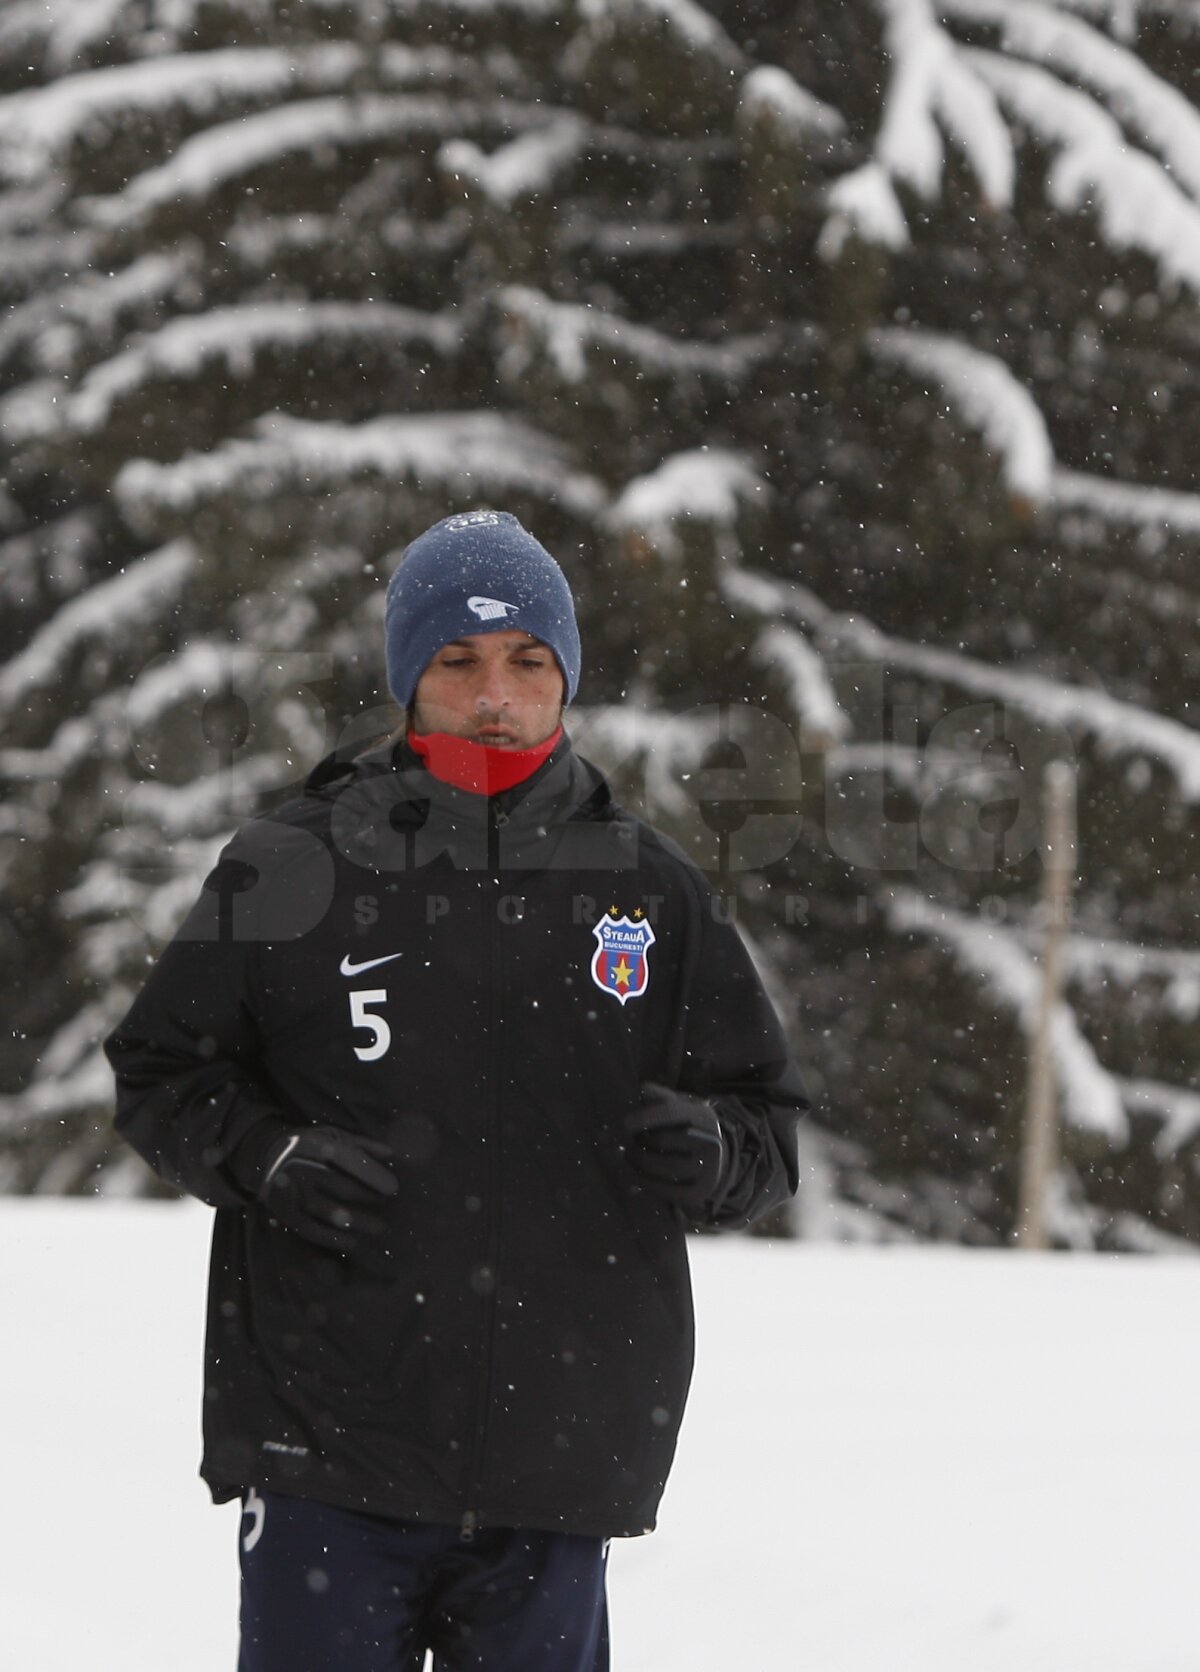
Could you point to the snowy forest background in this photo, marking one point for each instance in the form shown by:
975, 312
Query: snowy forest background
846, 355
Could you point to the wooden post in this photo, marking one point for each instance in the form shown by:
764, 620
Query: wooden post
1039, 1147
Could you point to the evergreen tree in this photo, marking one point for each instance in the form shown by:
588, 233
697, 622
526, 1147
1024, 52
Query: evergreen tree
845, 356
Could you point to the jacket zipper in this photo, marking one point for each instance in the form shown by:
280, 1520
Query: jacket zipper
473, 1515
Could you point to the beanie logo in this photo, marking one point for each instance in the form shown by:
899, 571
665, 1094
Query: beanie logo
474, 519
490, 609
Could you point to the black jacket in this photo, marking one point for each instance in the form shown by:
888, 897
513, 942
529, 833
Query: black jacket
417, 963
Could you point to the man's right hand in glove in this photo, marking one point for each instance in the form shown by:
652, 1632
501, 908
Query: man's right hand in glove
320, 1182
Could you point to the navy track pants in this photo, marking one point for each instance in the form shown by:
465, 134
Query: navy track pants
331, 1590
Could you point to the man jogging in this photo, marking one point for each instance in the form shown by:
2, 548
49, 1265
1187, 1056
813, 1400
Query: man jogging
457, 1049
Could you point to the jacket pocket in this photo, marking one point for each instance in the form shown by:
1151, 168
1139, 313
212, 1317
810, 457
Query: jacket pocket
336, 1323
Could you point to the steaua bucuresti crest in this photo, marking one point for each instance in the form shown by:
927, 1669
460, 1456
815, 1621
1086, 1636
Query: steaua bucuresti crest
621, 961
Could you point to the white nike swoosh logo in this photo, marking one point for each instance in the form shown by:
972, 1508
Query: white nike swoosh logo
348, 968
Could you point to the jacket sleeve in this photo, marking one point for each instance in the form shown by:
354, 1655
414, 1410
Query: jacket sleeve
186, 1054
735, 1055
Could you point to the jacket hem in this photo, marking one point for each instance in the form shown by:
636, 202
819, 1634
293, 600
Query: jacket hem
442, 1514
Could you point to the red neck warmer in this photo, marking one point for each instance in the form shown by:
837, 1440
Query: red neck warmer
478, 767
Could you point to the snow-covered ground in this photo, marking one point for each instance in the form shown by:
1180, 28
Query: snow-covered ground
928, 1459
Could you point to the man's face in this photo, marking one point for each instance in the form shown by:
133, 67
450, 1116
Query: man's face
504, 689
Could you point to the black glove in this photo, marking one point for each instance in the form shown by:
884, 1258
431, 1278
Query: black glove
322, 1183
677, 1144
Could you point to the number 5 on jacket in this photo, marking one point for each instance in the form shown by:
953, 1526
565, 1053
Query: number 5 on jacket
361, 1017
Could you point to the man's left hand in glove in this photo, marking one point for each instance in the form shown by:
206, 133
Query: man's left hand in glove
677, 1144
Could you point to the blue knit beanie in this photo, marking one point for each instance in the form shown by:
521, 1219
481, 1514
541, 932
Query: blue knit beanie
476, 573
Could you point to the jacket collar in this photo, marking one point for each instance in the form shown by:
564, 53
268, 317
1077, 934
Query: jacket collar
565, 786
